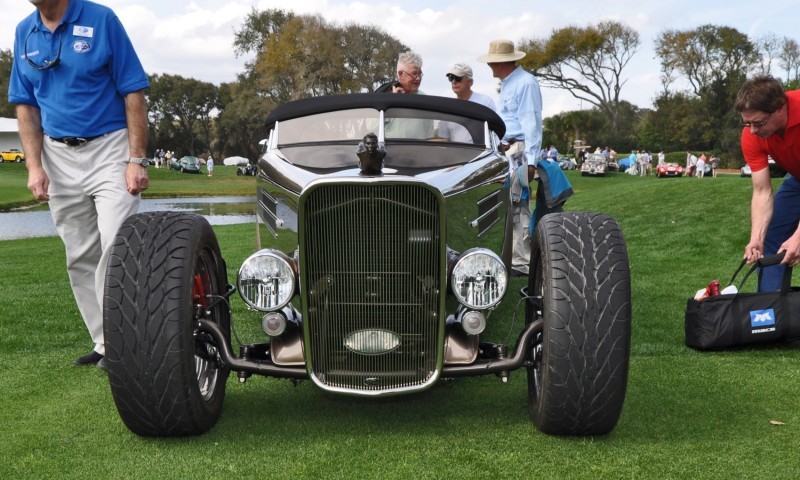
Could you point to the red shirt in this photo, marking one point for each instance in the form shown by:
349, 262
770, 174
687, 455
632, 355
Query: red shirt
785, 150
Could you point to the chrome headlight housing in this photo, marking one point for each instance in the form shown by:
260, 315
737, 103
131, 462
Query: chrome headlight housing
479, 279
267, 280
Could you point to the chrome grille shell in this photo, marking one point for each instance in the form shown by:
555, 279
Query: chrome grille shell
372, 257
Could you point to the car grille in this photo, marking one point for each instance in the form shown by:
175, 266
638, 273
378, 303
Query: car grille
372, 261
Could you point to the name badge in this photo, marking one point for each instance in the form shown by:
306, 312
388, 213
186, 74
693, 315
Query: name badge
80, 31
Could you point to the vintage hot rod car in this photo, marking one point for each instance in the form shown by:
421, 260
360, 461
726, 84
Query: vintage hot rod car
377, 261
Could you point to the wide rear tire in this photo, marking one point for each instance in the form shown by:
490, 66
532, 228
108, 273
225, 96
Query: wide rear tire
579, 364
165, 376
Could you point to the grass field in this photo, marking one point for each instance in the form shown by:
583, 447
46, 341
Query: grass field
687, 414
14, 192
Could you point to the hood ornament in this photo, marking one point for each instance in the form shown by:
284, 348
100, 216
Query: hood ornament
371, 153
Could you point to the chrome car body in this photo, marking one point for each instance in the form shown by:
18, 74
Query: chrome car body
383, 244
434, 200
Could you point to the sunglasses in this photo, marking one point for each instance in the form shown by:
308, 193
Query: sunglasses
453, 78
47, 63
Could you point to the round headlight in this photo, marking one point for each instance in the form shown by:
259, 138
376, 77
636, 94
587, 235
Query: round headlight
266, 280
479, 279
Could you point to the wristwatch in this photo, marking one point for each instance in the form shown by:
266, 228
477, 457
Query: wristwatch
143, 161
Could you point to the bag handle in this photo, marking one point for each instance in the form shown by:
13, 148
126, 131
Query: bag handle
765, 262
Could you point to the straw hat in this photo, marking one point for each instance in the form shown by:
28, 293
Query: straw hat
501, 51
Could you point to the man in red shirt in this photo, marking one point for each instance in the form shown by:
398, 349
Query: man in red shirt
771, 121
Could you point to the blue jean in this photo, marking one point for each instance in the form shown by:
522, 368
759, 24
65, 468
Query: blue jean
785, 218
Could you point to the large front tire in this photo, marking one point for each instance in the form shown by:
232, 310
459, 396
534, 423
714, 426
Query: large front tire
578, 372
163, 270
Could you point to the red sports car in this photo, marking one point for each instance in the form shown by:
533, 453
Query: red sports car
669, 170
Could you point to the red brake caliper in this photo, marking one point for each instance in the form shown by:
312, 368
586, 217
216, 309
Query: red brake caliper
199, 291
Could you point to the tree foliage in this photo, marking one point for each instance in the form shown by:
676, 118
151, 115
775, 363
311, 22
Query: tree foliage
707, 54
715, 61
587, 61
180, 111
7, 110
789, 59
300, 56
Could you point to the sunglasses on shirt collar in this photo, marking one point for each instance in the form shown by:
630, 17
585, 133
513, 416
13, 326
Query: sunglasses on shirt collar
47, 63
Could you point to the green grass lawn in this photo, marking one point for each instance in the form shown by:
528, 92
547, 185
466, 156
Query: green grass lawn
687, 414
163, 183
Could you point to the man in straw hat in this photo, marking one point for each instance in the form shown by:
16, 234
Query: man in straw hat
520, 107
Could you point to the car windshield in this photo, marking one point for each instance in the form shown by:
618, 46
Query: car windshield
329, 140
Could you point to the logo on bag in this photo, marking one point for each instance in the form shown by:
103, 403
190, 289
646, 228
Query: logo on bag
762, 321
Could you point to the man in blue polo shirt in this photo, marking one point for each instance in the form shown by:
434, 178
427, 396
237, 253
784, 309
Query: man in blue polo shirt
78, 86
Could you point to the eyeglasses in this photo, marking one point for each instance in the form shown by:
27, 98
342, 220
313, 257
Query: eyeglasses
756, 125
47, 63
453, 78
414, 77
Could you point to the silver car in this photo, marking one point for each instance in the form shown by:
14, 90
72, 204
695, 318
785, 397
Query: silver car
382, 247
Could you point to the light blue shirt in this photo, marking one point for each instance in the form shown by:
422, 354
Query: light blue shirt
520, 107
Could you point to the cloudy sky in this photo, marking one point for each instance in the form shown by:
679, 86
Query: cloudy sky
194, 38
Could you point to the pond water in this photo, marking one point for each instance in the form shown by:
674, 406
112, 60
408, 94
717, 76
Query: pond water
217, 210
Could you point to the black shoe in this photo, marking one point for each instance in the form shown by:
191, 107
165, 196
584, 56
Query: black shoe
103, 365
518, 273
90, 358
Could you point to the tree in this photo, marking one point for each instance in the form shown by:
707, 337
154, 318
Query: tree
303, 56
180, 110
789, 59
370, 57
769, 47
676, 124
715, 61
706, 54
241, 119
7, 110
588, 62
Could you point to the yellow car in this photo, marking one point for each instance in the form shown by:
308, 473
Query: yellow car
12, 155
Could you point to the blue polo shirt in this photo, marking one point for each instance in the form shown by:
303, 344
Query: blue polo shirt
84, 95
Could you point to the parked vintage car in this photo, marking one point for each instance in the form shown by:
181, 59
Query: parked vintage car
566, 163
248, 170
377, 261
12, 155
187, 164
669, 170
595, 164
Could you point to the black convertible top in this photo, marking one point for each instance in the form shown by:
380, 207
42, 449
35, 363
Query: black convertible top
385, 101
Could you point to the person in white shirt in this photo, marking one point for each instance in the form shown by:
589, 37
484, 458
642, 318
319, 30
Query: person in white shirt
460, 78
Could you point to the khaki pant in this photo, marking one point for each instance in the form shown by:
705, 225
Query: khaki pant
89, 201
521, 246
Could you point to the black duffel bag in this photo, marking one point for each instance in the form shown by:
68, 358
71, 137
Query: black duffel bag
739, 319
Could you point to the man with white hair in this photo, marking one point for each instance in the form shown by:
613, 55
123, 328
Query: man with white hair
409, 78
409, 75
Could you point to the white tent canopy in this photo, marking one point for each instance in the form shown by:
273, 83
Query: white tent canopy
233, 161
